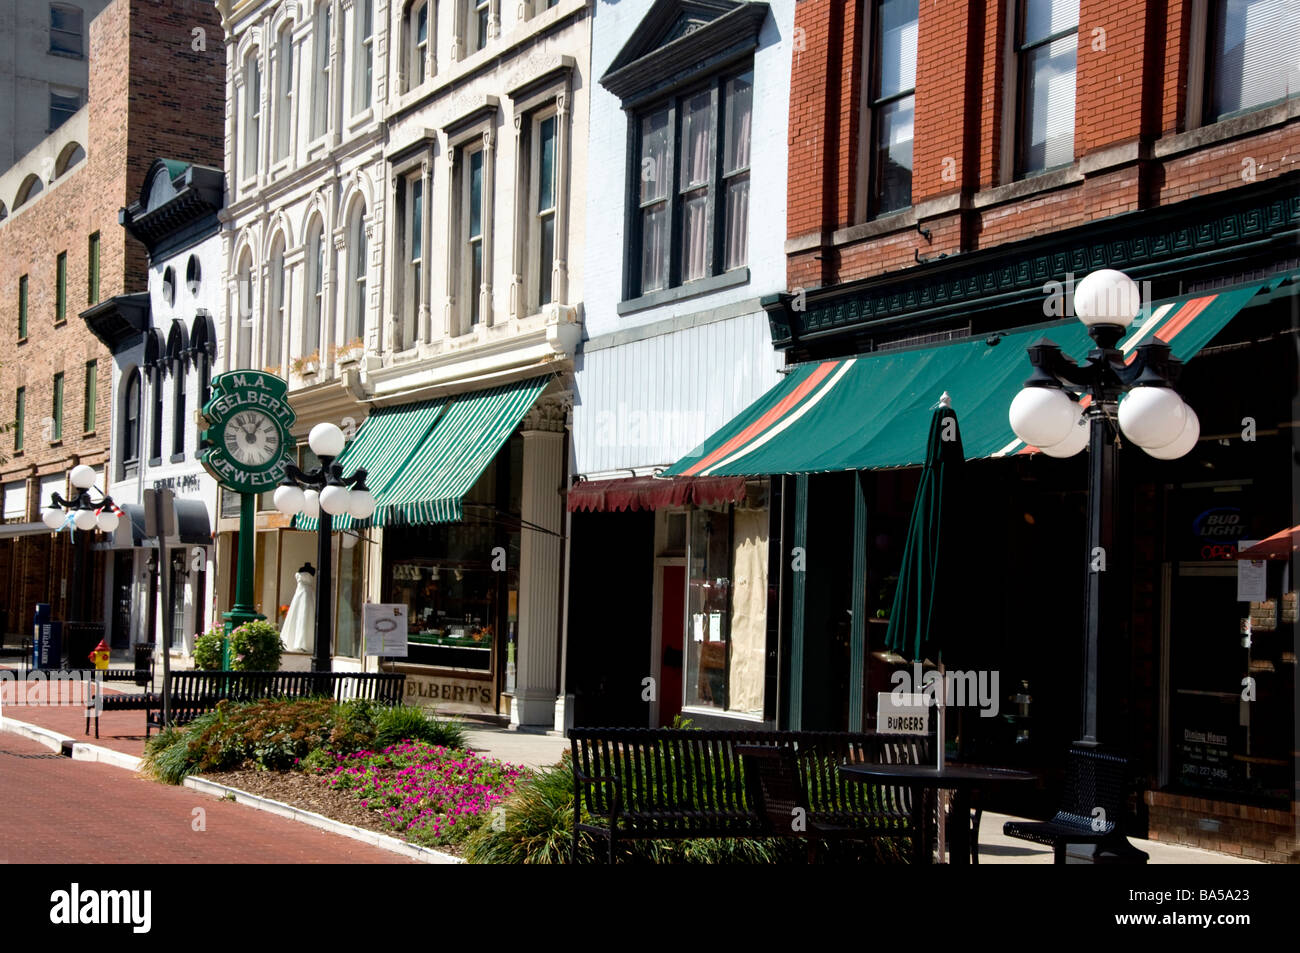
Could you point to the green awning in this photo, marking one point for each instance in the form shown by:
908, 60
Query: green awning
872, 412
420, 459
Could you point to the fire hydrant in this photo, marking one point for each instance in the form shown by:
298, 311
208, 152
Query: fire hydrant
99, 655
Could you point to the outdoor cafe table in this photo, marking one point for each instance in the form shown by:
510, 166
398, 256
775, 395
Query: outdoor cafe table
964, 780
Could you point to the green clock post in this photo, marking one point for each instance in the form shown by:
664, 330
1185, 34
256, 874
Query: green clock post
248, 441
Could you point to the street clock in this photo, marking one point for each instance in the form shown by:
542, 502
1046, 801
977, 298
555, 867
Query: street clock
248, 421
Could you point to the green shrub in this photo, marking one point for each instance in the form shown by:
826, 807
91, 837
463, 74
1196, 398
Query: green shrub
255, 647
318, 761
412, 723
207, 650
537, 825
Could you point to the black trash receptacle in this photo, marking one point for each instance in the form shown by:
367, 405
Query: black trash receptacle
144, 665
81, 639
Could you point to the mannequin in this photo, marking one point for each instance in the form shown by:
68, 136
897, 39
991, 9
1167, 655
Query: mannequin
299, 629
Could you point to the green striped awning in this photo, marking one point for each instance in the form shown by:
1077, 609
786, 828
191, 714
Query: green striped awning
872, 412
420, 459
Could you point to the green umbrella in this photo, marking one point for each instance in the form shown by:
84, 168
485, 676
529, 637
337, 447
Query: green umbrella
928, 601
924, 604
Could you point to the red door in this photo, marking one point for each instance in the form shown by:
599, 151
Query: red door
672, 623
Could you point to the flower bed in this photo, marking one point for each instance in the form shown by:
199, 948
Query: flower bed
429, 794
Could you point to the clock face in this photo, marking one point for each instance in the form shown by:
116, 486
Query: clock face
252, 438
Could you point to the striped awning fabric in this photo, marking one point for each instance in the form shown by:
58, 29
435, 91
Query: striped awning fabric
420, 459
873, 412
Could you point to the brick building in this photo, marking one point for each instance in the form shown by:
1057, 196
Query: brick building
155, 86
954, 168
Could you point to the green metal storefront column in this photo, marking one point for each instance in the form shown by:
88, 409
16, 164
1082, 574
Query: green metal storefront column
858, 624
798, 586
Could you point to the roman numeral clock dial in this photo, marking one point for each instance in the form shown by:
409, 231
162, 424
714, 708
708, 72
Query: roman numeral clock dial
252, 438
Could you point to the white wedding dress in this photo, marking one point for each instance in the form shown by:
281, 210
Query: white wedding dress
299, 629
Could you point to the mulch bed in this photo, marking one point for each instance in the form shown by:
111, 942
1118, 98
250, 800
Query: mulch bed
311, 794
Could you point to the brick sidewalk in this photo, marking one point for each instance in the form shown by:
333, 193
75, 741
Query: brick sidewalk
52, 804
120, 730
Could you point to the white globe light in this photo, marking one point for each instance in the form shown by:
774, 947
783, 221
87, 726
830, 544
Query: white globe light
1152, 416
82, 476
325, 440
1183, 443
311, 504
1075, 441
108, 521
1041, 416
289, 500
334, 500
362, 505
1107, 297
85, 520
349, 540
53, 518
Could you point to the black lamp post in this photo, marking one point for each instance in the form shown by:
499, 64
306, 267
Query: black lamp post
79, 513
324, 493
1066, 406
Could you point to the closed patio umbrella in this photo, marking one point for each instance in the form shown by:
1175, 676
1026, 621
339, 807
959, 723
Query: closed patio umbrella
928, 601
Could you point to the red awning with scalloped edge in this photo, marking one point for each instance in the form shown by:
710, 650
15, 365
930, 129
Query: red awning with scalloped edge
652, 493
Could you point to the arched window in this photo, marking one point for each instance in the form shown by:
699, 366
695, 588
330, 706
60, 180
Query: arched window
315, 291
156, 395
131, 420
283, 92
252, 111
176, 366
355, 314
276, 302
243, 332
203, 347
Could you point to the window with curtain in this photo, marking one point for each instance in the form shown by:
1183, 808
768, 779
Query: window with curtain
893, 97
542, 198
693, 188
356, 291
66, 29
1048, 38
363, 55
320, 85
315, 292
1253, 59
283, 92
252, 112
275, 315
64, 104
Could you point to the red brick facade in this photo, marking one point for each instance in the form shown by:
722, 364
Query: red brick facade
151, 94
1134, 147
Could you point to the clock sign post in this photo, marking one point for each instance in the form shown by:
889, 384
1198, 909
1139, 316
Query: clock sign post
248, 442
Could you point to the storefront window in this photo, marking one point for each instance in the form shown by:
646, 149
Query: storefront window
351, 594
726, 625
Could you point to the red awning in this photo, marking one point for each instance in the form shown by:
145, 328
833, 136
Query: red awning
652, 493
1278, 546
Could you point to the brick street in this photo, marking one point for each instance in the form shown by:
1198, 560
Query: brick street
51, 803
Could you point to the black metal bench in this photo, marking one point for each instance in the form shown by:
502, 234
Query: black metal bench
639, 783
194, 693
1094, 803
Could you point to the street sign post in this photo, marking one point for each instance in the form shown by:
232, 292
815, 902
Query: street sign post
159, 523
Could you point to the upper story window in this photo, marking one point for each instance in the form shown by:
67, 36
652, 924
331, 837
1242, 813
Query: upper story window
244, 313
542, 198
22, 308
252, 111
56, 409
1047, 39
363, 55
478, 16
61, 287
419, 33
320, 85
693, 193
355, 306
275, 315
90, 397
472, 225
1252, 55
92, 269
892, 99
66, 29
64, 104
283, 92
20, 417
315, 292
412, 280
131, 419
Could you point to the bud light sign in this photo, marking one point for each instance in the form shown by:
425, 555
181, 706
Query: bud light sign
1217, 531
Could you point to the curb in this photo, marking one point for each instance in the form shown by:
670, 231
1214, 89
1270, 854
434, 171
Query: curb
50, 739
426, 855
118, 759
